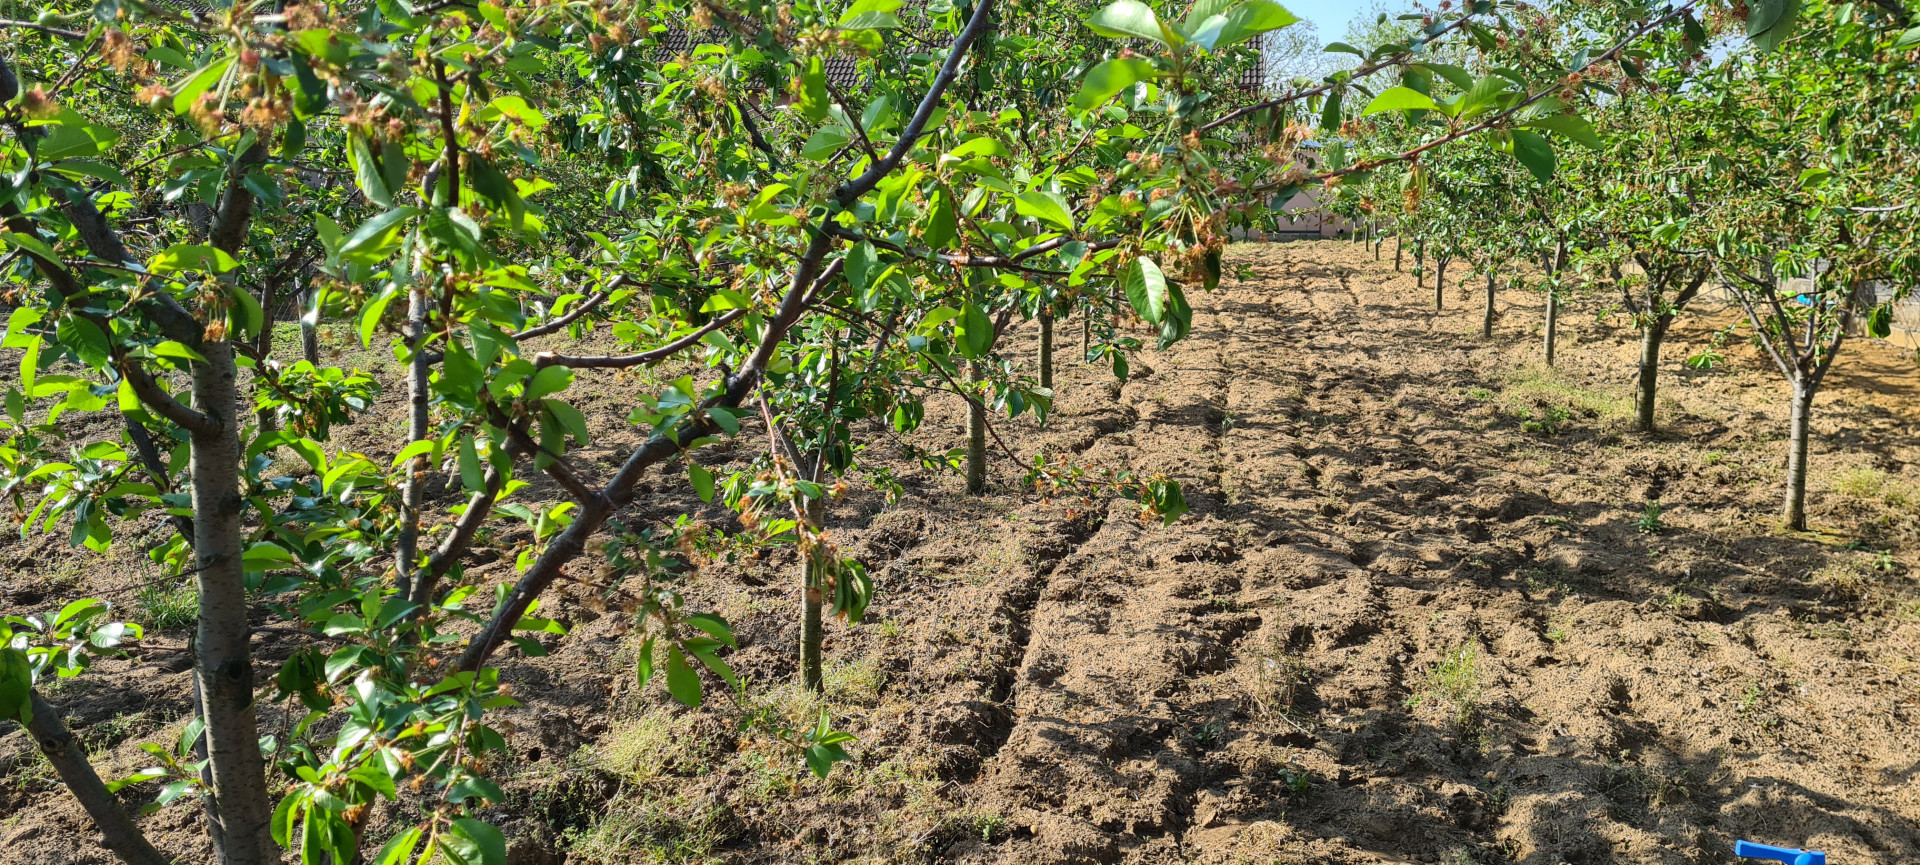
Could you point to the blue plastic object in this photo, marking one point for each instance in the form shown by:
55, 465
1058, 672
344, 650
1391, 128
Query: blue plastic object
1750, 850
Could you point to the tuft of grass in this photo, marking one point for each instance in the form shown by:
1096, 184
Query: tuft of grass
1272, 677
1455, 685
653, 828
1540, 384
166, 606
855, 682
1860, 483
659, 743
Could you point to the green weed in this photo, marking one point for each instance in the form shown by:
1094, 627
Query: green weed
1649, 522
166, 606
1455, 685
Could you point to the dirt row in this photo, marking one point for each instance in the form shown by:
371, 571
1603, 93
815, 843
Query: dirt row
1422, 611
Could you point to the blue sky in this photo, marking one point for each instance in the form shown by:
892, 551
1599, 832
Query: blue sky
1331, 16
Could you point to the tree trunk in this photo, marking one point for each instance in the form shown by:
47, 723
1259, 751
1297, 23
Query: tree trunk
1086, 335
1649, 379
310, 326
70, 762
811, 631
1486, 323
223, 657
1553, 320
1399, 246
976, 435
1801, 416
1439, 284
413, 493
1046, 349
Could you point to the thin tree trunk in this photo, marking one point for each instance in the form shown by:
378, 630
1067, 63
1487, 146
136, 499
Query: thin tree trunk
1086, 335
1553, 320
223, 658
1439, 284
1486, 323
70, 763
1399, 246
1046, 349
413, 493
976, 436
1799, 419
1649, 379
309, 325
812, 676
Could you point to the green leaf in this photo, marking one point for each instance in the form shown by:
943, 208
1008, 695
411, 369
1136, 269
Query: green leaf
1399, 99
1344, 48
1573, 127
870, 15
825, 143
421, 447
1782, 27
1533, 151
682, 681
1455, 75
548, 380
484, 844
1111, 77
16, 686
702, 481
813, 90
1241, 23
1763, 14
188, 91
191, 256
471, 474
366, 172
975, 335
371, 314
399, 849
248, 318
1330, 116
1879, 324
29, 244
1146, 288
1048, 207
85, 339
372, 242
1815, 176
1123, 18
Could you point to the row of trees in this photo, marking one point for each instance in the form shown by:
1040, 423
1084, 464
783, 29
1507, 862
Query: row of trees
1777, 174
474, 185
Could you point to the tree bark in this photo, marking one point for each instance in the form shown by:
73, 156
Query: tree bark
1647, 387
310, 326
1799, 419
1439, 283
413, 493
812, 676
70, 763
1486, 323
1046, 349
976, 435
1399, 246
1553, 320
223, 658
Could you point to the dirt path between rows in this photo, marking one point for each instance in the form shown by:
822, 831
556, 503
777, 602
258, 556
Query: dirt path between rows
1421, 612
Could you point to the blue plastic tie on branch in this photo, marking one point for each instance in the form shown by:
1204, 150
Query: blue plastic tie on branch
1789, 855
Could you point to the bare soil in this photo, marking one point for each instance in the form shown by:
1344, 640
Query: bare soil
1421, 612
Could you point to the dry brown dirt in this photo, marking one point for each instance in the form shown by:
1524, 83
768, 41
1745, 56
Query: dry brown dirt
1412, 617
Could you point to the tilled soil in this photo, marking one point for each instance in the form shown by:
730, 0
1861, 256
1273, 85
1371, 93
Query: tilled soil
1421, 612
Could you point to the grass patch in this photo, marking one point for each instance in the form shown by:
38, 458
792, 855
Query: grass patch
1546, 402
166, 606
1453, 684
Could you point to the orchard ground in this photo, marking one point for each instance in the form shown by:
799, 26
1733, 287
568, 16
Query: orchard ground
1423, 610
